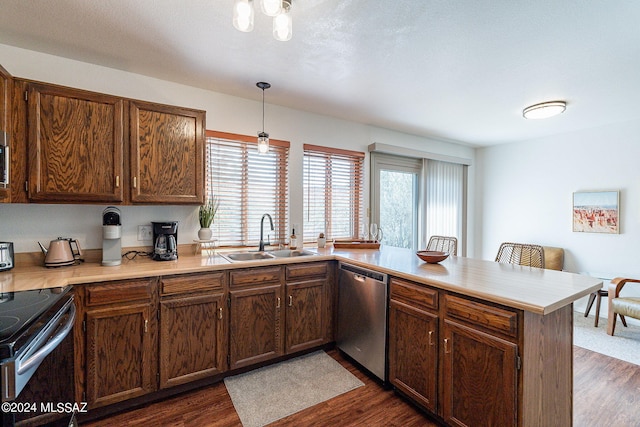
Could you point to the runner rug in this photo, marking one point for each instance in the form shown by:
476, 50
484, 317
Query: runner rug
268, 394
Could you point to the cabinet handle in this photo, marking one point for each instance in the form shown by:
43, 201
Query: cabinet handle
117, 181
146, 324
290, 300
446, 346
430, 337
220, 313
135, 182
278, 302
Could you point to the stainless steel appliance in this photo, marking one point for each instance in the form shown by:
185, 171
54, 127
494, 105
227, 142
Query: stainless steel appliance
4, 160
33, 325
111, 237
362, 317
6, 256
165, 240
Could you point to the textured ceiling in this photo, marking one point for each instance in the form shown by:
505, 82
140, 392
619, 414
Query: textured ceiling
460, 70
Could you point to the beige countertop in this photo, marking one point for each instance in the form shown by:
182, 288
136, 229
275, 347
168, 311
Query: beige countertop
531, 289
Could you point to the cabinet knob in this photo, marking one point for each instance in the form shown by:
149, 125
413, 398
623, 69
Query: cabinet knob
146, 326
430, 337
117, 181
278, 302
135, 182
446, 346
290, 300
220, 313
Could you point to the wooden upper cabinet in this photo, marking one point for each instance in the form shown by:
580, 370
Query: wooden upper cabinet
76, 145
5, 130
167, 154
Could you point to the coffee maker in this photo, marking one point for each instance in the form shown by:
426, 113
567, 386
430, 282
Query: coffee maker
111, 237
165, 240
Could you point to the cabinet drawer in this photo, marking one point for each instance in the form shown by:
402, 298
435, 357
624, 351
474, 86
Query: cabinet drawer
484, 315
107, 293
414, 294
255, 276
192, 282
306, 270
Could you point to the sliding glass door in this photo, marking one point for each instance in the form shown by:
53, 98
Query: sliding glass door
395, 199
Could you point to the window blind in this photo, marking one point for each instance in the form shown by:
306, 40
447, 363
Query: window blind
247, 185
333, 193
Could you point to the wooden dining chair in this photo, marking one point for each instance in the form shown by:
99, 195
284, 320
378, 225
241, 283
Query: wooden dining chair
521, 254
443, 244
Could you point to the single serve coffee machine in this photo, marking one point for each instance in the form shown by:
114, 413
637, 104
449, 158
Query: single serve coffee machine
111, 237
165, 240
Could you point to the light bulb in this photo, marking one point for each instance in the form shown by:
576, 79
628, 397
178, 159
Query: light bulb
283, 26
243, 15
271, 7
263, 143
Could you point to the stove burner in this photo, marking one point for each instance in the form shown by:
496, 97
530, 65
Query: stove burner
8, 322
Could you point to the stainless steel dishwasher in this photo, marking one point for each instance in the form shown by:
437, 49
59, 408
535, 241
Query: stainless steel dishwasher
362, 317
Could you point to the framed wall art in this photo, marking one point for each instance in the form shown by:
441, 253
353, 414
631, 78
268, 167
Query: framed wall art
596, 212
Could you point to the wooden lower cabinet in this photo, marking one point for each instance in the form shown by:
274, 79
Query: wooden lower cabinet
192, 338
413, 353
480, 378
119, 341
256, 320
457, 358
305, 317
119, 353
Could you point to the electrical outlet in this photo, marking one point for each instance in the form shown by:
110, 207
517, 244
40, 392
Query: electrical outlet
145, 232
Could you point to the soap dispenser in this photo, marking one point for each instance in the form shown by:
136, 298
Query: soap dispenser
293, 240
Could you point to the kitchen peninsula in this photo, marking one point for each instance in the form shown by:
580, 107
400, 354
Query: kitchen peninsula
495, 339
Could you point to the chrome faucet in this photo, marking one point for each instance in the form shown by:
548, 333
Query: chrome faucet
261, 246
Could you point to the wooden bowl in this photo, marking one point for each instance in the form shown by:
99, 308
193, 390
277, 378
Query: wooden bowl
432, 257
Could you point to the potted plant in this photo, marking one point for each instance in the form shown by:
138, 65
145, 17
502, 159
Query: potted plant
206, 215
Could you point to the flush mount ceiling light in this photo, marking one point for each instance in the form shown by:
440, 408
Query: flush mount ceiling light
280, 10
544, 110
263, 137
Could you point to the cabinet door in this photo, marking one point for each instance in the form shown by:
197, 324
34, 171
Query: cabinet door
479, 379
5, 130
255, 325
75, 145
167, 154
192, 338
305, 315
413, 353
119, 349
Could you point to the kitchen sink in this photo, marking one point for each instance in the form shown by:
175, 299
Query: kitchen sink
247, 256
256, 256
286, 253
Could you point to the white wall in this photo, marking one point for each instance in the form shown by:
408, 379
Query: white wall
25, 224
524, 194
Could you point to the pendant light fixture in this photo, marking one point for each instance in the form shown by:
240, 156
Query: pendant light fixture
263, 137
280, 10
544, 110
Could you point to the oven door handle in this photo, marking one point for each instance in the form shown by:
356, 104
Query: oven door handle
38, 356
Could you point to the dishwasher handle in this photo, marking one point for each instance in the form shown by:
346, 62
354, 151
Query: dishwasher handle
364, 273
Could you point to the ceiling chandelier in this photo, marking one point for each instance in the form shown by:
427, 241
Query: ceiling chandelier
544, 110
263, 137
280, 10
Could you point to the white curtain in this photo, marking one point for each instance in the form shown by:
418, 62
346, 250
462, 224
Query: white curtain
444, 199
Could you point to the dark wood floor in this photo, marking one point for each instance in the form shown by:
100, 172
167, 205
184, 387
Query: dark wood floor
606, 393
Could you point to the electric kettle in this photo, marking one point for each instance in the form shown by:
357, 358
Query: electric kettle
61, 252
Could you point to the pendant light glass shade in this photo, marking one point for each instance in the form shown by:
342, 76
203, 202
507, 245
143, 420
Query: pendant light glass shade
243, 15
544, 110
263, 143
263, 137
270, 7
283, 24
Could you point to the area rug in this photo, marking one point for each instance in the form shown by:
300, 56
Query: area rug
274, 392
624, 345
